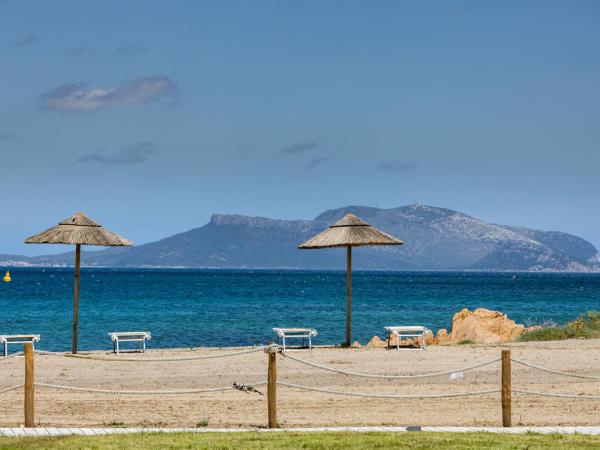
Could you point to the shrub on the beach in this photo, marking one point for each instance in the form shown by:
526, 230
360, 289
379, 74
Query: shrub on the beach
586, 326
547, 334
594, 317
465, 342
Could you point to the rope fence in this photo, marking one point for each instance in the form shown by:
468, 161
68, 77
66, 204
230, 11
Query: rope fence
387, 377
555, 372
9, 357
10, 388
152, 360
395, 396
506, 390
557, 394
235, 386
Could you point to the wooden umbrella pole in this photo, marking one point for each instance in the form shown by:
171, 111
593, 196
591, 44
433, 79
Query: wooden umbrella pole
29, 401
76, 297
349, 296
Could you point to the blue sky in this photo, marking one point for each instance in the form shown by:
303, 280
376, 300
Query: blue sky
150, 116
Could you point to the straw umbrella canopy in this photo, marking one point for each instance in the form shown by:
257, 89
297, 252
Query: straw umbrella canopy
78, 230
350, 231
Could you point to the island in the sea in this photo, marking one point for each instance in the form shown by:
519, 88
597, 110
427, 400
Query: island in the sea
435, 239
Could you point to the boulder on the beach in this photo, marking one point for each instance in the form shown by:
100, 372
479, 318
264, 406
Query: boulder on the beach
376, 342
411, 342
429, 338
355, 344
441, 337
482, 326
406, 342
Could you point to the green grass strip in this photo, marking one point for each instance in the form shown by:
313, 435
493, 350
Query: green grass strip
289, 440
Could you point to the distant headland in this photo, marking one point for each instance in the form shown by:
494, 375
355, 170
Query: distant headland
435, 239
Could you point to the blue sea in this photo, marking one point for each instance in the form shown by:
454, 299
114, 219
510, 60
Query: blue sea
185, 308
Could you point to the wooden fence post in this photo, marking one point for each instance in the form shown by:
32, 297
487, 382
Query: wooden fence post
506, 389
29, 385
272, 386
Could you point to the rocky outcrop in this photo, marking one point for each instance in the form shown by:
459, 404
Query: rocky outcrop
376, 342
480, 326
441, 336
429, 338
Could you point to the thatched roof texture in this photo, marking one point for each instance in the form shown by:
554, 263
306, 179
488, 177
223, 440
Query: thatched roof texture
350, 230
79, 229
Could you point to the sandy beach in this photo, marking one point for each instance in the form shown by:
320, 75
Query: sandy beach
302, 408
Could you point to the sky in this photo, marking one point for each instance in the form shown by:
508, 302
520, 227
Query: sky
150, 116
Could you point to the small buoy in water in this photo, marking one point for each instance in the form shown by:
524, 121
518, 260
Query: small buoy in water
6, 278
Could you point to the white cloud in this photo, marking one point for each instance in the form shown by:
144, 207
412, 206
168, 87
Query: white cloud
131, 154
4, 136
27, 40
300, 147
79, 97
315, 162
82, 50
130, 50
395, 166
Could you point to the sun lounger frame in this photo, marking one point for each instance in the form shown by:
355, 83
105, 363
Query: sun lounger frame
299, 333
407, 332
6, 339
129, 336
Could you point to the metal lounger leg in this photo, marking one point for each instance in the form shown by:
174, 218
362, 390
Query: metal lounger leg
397, 341
283, 342
309, 342
117, 341
6, 349
143, 345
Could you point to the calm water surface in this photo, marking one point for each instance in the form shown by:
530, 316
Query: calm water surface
184, 308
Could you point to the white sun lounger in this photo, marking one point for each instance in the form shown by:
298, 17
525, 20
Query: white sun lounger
18, 339
407, 332
300, 333
129, 336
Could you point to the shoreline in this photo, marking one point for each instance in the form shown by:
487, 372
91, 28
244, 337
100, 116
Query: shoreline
7, 264
567, 343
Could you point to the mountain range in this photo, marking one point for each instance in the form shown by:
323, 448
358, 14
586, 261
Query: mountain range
434, 239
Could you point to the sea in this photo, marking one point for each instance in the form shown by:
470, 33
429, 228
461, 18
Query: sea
216, 308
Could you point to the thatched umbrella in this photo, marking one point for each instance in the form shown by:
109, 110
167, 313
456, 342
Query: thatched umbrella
78, 230
350, 231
